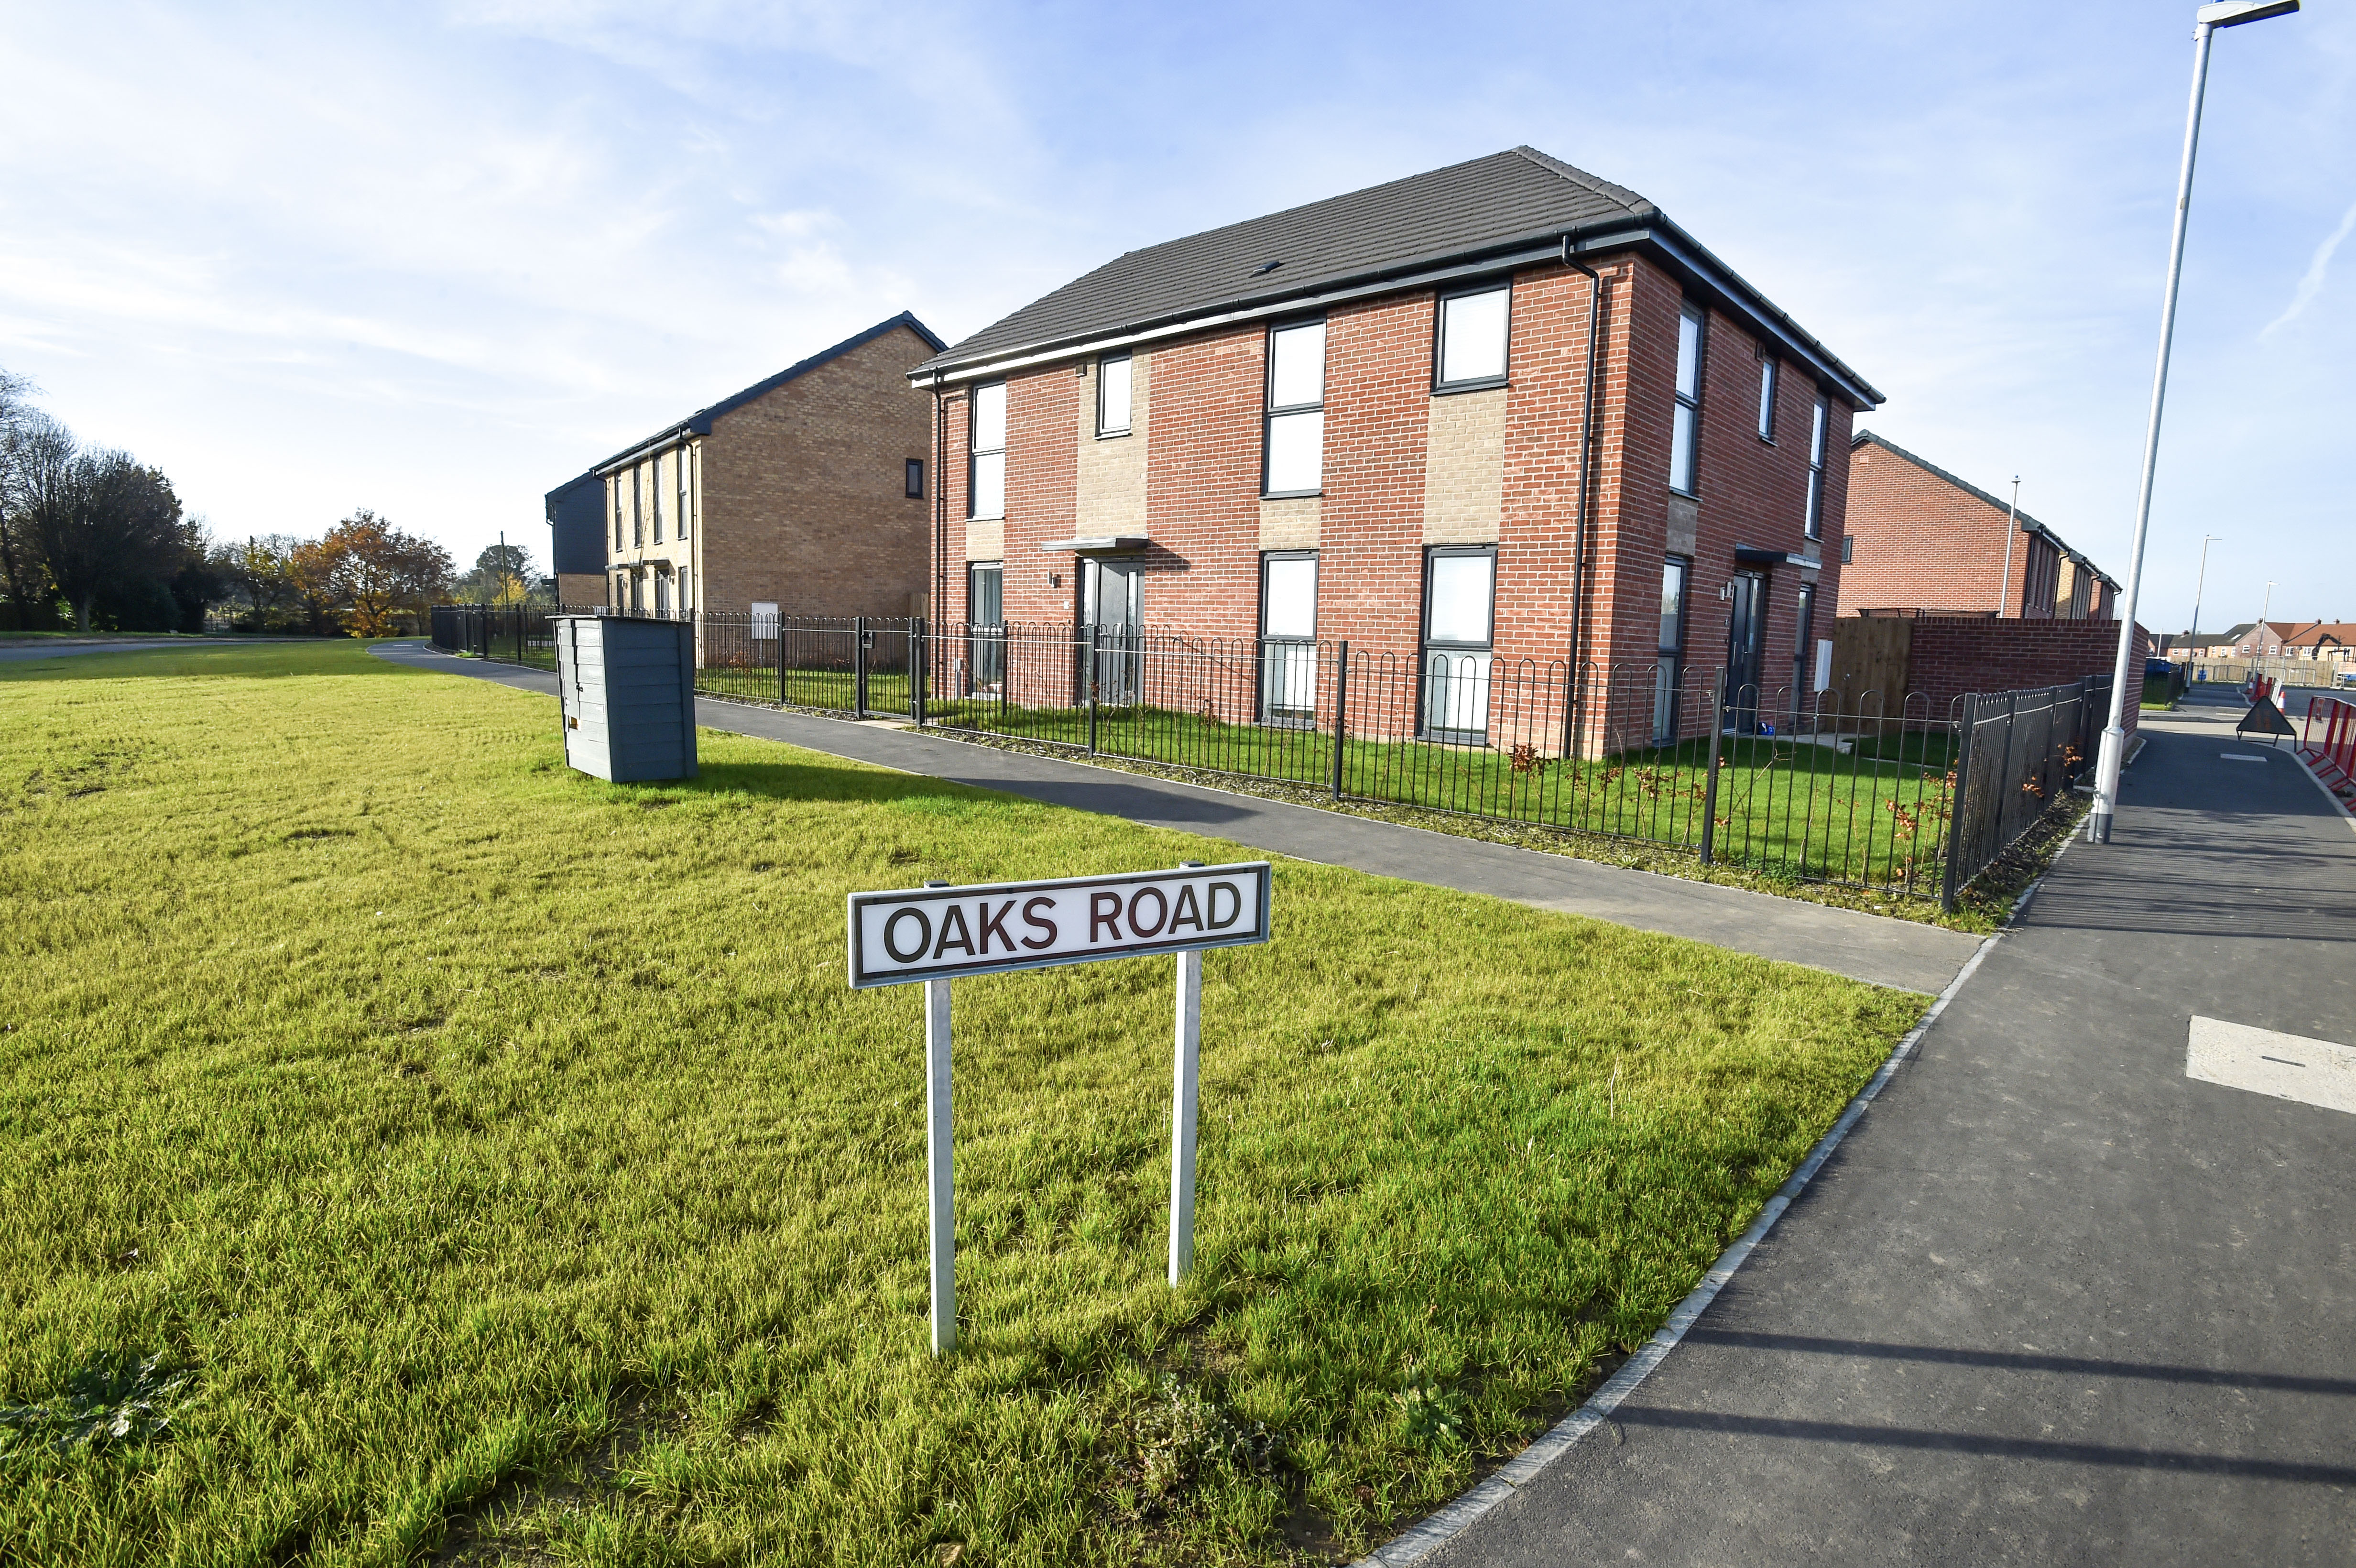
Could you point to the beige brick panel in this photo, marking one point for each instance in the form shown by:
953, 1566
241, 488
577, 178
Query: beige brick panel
1111, 472
1464, 468
1292, 523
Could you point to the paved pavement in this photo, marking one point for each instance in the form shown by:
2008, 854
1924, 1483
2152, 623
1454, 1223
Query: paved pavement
2051, 1301
1865, 946
47, 648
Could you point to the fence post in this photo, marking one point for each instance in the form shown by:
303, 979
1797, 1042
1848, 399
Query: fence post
1953, 882
1709, 776
917, 669
859, 667
1341, 711
1088, 684
780, 640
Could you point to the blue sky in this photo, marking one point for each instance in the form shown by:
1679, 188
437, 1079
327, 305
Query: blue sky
436, 260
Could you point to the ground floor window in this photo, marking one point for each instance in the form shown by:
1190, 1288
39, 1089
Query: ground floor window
1288, 637
1804, 647
663, 593
1460, 591
985, 613
1670, 671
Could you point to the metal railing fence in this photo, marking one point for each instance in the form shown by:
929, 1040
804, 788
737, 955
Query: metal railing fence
2330, 738
1862, 792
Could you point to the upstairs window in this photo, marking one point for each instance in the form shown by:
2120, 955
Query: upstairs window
1473, 329
1113, 395
617, 524
638, 516
654, 493
987, 498
1684, 434
1767, 367
678, 462
914, 479
1294, 461
1822, 419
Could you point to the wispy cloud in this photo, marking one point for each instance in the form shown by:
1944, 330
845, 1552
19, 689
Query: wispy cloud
2312, 283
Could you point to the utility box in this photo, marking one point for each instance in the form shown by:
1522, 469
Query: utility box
628, 690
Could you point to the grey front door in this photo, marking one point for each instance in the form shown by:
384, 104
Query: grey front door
1112, 600
1745, 639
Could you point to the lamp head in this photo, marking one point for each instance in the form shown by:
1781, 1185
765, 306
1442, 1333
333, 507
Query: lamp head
2234, 13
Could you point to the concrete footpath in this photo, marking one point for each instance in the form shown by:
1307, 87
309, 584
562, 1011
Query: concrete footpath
1863, 946
2053, 1300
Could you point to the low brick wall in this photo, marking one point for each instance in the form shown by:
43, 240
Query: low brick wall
1949, 659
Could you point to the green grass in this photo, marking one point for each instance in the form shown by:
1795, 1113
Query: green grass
449, 1150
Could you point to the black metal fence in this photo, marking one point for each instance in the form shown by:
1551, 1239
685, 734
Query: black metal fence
1887, 795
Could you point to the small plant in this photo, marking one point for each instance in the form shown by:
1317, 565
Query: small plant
1432, 1417
1185, 1432
1528, 761
115, 1399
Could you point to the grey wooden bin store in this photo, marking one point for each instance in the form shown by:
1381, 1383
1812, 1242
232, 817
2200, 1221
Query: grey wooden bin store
628, 690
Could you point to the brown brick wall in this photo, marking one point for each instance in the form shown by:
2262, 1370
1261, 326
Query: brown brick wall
1922, 543
1950, 657
804, 490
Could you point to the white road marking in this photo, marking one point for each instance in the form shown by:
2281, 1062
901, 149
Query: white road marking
2265, 1061
2239, 757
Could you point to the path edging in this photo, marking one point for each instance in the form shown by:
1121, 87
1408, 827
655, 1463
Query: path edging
1452, 1521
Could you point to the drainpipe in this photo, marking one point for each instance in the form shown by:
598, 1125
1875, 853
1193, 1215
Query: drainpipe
1586, 488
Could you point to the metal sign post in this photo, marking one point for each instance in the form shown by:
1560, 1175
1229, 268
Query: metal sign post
935, 932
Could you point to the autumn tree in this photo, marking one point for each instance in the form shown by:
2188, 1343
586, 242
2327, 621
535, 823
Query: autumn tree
372, 572
35, 453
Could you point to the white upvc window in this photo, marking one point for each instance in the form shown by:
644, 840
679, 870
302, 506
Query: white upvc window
1823, 418
1460, 586
1473, 332
1767, 372
637, 504
988, 495
1294, 462
1114, 388
1287, 630
678, 467
655, 493
1684, 434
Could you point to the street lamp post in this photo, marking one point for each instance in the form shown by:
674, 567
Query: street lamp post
2200, 583
2206, 21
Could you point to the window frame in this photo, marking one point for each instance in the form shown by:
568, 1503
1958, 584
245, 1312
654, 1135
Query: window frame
912, 479
1812, 525
679, 462
1287, 718
1270, 412
1669, 659
977, 638
1129, 420
974, 454
638, 507
1681, 403
1848, 548
1436, 552
618, 545
1440, 387
1771, 380
654, 494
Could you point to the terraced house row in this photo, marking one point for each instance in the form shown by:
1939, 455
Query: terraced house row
1502, 411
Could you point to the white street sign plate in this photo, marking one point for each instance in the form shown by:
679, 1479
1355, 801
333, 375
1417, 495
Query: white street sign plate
940, 934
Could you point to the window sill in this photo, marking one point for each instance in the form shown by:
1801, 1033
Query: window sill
1450, 389
1290, 494
989, 517
1689, 494
1115, 434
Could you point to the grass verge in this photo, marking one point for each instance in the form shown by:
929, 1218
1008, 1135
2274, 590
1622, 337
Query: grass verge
442, 1150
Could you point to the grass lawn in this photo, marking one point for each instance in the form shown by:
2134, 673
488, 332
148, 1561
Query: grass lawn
492, 1160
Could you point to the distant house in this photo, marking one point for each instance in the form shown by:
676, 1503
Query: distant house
576, 543
1396, 417
2331, 641
806, 490
1921, 541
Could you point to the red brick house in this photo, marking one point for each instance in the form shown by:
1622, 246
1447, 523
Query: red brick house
1405, 417
1919, 540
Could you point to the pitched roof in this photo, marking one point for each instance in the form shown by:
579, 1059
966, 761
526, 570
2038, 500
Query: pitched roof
2028, 524
2314, 634
699, 422
1486, 208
